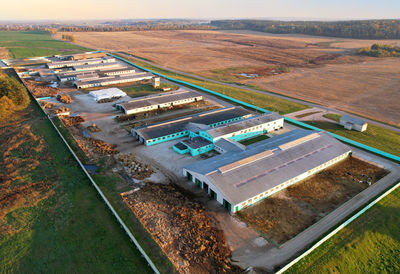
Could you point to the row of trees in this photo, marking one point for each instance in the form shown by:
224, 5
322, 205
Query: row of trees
112, 28
13, 95
106, 28
364, 29
380, 50
69, 37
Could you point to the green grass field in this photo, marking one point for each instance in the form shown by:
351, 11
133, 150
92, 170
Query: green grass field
140, 90
24, 44
254, 140
375, 136
112, 186
261, 100
71, 230
370, 244
226, 75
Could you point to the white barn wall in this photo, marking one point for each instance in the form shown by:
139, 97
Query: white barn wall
268, 192
164, 105
269, 126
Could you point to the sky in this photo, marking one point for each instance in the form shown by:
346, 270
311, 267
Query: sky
199, 9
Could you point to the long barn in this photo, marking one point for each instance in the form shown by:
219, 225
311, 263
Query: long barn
160, 100
242, 177
181, 127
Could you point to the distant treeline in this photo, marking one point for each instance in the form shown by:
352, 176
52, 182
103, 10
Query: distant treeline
364, 29
132, 28
105, 28
379, 50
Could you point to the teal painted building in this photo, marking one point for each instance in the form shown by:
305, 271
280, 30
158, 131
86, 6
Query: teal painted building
205, 129
188, 126
204, 139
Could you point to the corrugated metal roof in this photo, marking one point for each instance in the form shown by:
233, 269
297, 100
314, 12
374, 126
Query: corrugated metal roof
95, 66
243, 124
107, 93
352, 119
132, 77
196, 142
246, 180
229, 145
160, 98
84, 61
177, 125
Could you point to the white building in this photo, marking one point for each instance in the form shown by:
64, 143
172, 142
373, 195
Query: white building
108, 93
99, 66
242, 177
66, 64
113, 80
160, 100
349, 122
244, 129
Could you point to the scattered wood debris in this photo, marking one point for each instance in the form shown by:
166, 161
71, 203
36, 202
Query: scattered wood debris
94, 128
40, 89
63, 98
134, 168
72, 121
62, 111
182, 228
101, 147
47, 105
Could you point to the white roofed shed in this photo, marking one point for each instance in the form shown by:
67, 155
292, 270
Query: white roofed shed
107, 93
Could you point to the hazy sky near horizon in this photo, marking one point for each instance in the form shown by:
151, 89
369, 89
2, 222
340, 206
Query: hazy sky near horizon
135, 9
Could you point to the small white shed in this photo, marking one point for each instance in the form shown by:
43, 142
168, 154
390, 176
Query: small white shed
349, 122
107, 93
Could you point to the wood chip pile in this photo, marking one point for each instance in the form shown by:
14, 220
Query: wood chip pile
63, 98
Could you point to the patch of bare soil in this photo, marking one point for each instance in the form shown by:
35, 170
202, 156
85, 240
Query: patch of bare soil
278, 218
195, 51
22, 153
333, 186
3, 53
182, 228
40, 89
285, 214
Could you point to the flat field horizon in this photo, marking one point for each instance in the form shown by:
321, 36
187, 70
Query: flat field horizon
323, 70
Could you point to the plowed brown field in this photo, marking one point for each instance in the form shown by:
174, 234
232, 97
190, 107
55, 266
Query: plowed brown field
322, 69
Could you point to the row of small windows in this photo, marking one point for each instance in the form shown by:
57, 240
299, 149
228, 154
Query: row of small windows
172, 136
225, 122
288, 182
327, 163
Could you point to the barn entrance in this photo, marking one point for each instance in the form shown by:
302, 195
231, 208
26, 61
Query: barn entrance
197, 182
189, 176
205, 187
213, 194
227, 205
